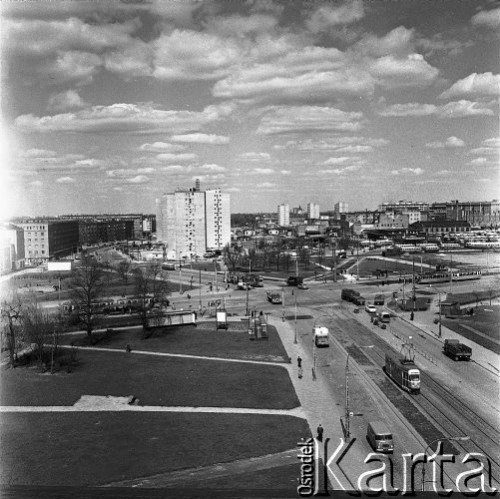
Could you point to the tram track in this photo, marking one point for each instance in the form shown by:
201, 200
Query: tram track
435, 401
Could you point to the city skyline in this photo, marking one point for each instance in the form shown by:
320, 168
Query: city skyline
108, 106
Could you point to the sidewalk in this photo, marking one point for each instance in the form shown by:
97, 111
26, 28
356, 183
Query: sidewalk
319, 406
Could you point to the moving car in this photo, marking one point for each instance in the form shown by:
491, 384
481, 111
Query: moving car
302, 286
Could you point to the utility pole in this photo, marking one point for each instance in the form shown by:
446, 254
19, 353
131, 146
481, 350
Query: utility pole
439, 300
295, 334
180, 277
451, 271
347, 412
199, 288
334, 254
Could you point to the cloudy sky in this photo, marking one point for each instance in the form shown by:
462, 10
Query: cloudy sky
107, 105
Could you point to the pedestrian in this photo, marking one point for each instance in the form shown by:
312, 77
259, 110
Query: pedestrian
128, 349
299, 362
320, 433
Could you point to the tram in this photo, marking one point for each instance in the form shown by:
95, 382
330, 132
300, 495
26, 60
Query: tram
432, 278
403, 371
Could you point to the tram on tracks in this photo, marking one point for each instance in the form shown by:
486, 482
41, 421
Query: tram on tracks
401, 368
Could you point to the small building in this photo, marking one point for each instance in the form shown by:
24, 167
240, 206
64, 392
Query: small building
450, 308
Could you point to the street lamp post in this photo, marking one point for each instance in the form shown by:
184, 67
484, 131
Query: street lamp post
295, 334
449, 439
439, 304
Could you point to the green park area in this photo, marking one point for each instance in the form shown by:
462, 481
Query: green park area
202, 339
98, 448
95, 448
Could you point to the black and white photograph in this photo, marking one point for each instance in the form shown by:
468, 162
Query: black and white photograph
249, 248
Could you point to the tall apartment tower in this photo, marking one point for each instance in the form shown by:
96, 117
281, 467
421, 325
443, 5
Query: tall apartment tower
283, 215
218, 219
312, 211
340, 208
191, 221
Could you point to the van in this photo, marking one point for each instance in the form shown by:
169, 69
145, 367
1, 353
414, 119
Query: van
379, 437
383, 316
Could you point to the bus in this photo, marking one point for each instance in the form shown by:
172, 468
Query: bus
380, 437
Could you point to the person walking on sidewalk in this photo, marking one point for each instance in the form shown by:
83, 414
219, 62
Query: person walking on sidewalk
320, 433
299, 365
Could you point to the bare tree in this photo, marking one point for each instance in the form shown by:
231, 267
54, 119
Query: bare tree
87, 285
150, 289
39, 328
11, 314
123, 269
232, 256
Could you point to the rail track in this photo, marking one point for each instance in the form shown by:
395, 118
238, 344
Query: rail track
435, 401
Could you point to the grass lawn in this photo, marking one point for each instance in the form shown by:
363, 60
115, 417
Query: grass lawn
204, 339
99, 448
154, 380
279, 478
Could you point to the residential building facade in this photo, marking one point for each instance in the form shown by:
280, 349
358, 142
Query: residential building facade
283, 215
46, 239
313, 211
218, 219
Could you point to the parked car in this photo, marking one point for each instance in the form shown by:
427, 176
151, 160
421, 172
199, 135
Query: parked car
302, 286
371, 309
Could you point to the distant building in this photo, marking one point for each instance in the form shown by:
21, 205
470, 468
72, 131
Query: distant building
440, 227
191, 221
400, 206
11, 249
339, 208
477, 213
46, 239
218, 219
283, 215
313, 211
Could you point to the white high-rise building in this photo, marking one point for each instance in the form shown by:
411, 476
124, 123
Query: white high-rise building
312, 211
340, 207
218, 219
191, 221
284, 215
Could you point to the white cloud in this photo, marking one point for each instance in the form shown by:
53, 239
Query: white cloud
186, 54
338, 161
65, 180
212, 167
201, 138
176, 157
478, 161
161, 147
488, 147
266, 185
36, 183
66, 100
455, 109
262, 171
122, 118
450, 142
254, 156
146, 170
463, 108
411, 70
483, 84
409, 109
488, 18
412, 171
309, 118
330, 15
398, 41
138, 179
336, 144
38, 153
285, 172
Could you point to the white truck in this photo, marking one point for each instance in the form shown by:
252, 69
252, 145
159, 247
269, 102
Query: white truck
320, 334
